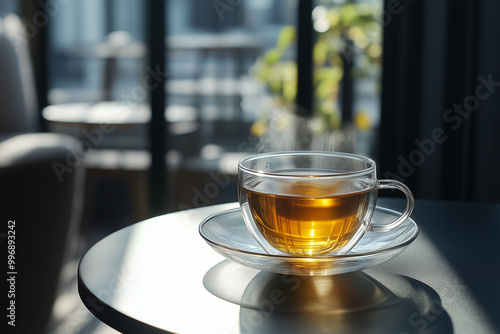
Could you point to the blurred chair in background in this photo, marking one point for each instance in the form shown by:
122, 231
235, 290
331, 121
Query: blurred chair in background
41, 176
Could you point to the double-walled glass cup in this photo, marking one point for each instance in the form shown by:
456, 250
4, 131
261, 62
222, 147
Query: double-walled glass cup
306, 203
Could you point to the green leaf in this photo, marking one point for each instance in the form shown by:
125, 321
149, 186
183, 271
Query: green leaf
290, 81
326, 89
334, 73
333, 17
272, 56
320, 53
286, 37
348, 14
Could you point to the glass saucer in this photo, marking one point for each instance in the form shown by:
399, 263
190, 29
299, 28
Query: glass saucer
227, 233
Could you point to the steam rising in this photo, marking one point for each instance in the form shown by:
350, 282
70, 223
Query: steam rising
289, 132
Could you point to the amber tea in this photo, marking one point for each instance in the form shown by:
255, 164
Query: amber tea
307, 217
309, 203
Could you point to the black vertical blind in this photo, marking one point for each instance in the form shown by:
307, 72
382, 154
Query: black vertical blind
304, 58
460, 73
401, 91
157, 127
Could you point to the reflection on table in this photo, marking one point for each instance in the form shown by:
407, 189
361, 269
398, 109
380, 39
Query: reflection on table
350, 303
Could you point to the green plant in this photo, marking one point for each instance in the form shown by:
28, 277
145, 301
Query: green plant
346, 33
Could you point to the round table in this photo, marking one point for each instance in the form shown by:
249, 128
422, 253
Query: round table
159, 276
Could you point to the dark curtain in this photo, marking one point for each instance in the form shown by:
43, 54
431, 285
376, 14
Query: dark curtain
441, 98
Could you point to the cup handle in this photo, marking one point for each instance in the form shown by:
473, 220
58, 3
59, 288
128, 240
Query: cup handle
410, 204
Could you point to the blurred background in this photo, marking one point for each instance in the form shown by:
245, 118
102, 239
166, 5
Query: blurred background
164, 97
230, 78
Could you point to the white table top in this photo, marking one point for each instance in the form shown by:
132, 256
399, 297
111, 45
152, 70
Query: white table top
160, 276
113, 112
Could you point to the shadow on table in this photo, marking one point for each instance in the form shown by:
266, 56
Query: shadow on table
348, 303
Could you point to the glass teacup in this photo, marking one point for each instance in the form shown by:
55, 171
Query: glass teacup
312, 203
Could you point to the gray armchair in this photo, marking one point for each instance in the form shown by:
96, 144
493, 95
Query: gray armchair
40, 191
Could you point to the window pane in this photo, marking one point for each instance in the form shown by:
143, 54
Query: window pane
96, 50
97, 59
8, 6
215, 52
347, 62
